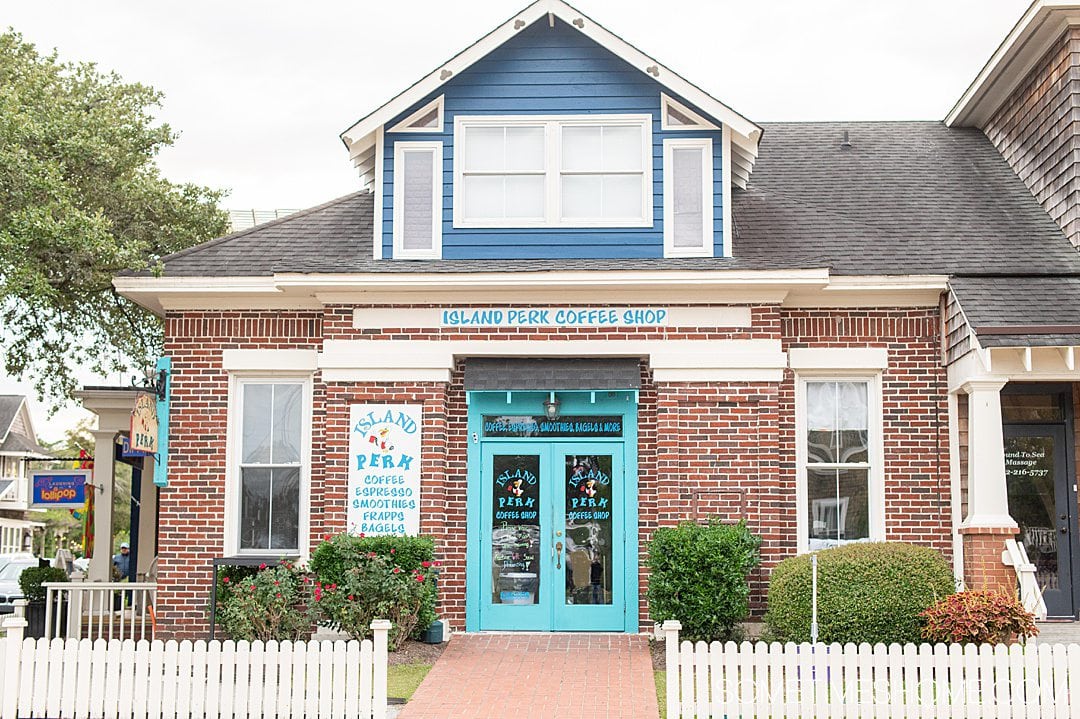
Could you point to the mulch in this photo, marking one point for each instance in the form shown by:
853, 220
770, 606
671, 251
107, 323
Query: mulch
659, 655
413, 652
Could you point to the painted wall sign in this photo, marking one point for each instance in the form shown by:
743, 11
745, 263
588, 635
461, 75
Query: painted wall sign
144, 424
726, 316
553, 317
59, 487
384, 469
540, 426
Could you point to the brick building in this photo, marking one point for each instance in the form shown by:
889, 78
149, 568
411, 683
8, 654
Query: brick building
577, 298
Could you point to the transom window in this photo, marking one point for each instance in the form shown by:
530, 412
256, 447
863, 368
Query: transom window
839, 462
592, 171
271, 465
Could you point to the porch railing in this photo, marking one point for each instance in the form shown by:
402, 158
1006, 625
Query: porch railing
100, 610
1015, 556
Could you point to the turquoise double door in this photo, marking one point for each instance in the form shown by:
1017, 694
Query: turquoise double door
552, 550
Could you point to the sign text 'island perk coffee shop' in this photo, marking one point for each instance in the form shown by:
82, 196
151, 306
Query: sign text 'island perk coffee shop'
577, 298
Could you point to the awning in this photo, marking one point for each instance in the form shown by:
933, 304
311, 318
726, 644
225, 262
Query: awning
513, 373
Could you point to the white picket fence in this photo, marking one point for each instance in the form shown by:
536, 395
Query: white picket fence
108, 679
1033, 681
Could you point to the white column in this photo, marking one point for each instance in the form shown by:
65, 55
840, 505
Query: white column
988, 497
101, 562
147, 529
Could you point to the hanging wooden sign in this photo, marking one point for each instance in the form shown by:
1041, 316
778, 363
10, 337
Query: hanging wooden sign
144, 425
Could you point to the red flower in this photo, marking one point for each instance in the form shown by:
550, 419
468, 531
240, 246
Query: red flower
333, 587
318, 594
397, 570
425, 563
371, 555
350, 597
278, 595
436, 564
262, 566
391, 550
326, 537
419, 577
361, 535
276, 583
225, 580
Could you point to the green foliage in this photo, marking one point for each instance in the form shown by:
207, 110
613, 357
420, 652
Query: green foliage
273, 603
81, 200
32, 578
697, 575
377, 588
867, 592
982, 617
345, 560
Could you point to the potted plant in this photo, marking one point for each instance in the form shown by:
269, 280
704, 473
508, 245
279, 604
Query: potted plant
31, 582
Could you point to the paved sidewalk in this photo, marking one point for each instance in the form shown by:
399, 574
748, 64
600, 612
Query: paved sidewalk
539, 676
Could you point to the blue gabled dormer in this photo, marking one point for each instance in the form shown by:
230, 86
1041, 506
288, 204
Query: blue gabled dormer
552, 138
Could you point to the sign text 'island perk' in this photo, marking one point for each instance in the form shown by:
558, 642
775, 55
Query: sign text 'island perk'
384, 469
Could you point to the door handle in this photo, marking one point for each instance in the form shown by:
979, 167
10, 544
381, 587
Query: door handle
1064, 530
558, 555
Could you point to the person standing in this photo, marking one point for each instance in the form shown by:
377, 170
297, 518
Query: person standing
122, 562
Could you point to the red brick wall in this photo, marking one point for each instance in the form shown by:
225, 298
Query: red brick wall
192, 506
704, 449
914, 411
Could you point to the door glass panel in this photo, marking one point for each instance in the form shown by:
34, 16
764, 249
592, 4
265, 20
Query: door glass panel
515, 529
1029, 472
588, 550
1031, 408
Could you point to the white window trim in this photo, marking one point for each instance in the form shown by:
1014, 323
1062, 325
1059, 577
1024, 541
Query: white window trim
876, 447
700, 123
435, 252
552, 169
708, 238
233, 438
404, 125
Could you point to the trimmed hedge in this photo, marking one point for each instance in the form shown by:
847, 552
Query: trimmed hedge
697, 575
867, 592
31, 579
335, 556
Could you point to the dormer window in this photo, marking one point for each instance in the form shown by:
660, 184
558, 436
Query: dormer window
570, 171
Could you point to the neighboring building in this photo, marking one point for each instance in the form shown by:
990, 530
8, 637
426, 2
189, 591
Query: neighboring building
246, 219
18, 443
815, 327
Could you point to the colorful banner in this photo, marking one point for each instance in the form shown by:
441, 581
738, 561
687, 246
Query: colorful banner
384, 469
59, 487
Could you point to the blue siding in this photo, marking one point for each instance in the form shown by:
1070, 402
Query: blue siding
542, 71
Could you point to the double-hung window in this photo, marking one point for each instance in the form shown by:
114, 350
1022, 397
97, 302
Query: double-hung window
270, 472
839, 462
566, 171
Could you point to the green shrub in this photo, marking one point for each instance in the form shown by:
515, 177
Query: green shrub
981, 617
376, 588
334, 557
273, 603
31, 579
867, 592
697, 575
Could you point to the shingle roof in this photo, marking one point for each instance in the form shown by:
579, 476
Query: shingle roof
9, 407
16, 442
904, 198
1044, 310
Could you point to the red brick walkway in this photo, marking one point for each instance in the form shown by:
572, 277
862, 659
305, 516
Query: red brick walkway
539, 676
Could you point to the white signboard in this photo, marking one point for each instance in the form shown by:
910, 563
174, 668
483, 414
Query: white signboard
384, 469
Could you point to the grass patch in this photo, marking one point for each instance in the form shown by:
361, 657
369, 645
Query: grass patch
403, 679
661, 692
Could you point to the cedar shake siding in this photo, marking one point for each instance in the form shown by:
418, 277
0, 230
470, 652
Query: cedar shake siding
1037, 131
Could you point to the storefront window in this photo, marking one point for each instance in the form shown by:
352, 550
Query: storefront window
837, 471
1016, 408
270, 466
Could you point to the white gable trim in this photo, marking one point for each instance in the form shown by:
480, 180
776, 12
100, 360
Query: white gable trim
700, 123
361, 134
405, 125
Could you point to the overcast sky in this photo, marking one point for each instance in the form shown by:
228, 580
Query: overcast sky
261, 90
